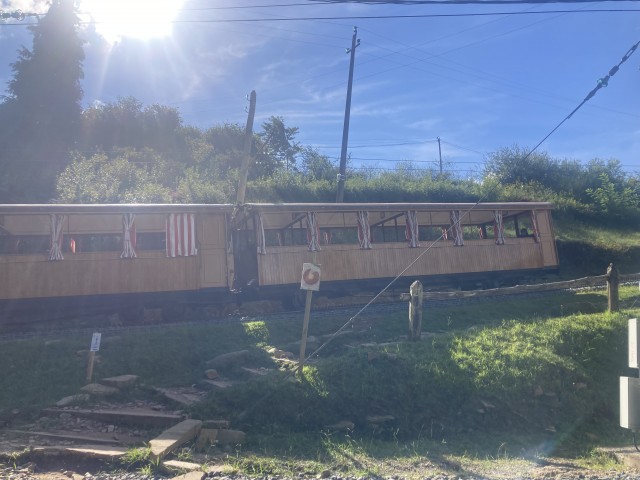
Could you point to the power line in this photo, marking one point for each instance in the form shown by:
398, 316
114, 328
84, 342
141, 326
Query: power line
602, 82
463, 2
372, 17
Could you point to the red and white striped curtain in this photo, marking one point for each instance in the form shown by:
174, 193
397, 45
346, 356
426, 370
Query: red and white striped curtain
534, 226
260, 240
55, 250
128, 236
456, 228
411, 229
313, 232
364, 231
181, 235
498, 227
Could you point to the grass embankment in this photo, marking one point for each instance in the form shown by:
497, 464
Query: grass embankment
586, 248
504, 378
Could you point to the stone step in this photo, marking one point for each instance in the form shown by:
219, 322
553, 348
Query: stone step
85, 451
174, 437
137, 416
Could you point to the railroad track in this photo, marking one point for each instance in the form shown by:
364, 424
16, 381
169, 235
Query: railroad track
386, 304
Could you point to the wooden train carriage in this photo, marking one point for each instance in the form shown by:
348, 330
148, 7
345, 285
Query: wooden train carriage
435, 242
88, 251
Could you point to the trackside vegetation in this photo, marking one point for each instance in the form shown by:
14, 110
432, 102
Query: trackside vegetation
522, 378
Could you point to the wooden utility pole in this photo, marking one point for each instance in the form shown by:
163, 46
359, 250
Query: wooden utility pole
440, 155
347, 112
415, 311
613, 284
246, 151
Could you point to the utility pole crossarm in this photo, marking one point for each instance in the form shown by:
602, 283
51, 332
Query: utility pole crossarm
355, 42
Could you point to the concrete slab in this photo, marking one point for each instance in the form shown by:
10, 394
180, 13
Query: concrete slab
98, 390
206, 438
174, 437
73, 399
183, 466
628, 456
219, 383
230, 437
190, 476
137, 416
181, 397
85, 451
216, 424
121, 381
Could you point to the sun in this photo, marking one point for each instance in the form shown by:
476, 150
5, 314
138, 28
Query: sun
142, 19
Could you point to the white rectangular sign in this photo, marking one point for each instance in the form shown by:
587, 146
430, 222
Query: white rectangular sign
633, 342
95, 342
310, 277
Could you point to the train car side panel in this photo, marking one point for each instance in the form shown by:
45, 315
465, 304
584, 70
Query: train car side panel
281, 265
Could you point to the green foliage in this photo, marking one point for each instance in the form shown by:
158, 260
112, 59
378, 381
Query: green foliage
127, 124
127, 176
617, 200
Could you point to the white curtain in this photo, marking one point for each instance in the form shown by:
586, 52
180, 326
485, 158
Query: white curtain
534, 226
181, 235
56, 224
456, 228
313, 232
411, 230
364, 232
129, 236
498, 227
261, 243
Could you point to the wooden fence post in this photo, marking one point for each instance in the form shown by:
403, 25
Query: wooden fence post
613, 282
415, 311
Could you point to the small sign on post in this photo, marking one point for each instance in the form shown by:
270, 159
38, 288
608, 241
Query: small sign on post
95, 347
310, 282
310, 277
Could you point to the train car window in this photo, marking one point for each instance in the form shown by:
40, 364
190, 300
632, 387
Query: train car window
273, 238
85, 243
471, 232
24, 244
510, 227
151, 241
388, 233
429, 232
525, 229
344, 236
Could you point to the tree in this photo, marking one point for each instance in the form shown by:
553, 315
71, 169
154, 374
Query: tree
278, 148
128, 124
40, 117
317, 166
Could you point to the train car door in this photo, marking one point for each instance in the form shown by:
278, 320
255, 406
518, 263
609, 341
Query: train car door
245, 254
213, 251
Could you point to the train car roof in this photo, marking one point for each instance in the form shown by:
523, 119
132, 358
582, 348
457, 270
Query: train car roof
53, 208
115, 208
393, 207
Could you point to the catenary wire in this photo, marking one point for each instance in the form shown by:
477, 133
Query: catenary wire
466, 213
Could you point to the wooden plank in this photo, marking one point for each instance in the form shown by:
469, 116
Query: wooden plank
518, 289
138, 416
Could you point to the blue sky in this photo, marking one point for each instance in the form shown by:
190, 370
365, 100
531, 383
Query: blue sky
480, 83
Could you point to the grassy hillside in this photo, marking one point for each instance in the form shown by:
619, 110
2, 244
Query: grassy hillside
533, 376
